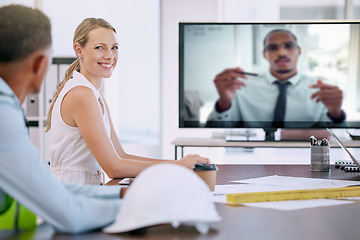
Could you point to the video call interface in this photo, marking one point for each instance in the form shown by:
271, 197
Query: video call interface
330, 51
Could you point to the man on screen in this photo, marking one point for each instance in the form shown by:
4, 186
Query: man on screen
281, 95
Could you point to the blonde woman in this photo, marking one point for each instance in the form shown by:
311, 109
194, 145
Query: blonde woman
83, 141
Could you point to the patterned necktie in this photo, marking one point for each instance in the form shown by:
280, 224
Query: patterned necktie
279, 113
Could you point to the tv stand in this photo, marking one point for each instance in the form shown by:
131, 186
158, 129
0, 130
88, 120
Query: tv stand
237, 136
248, 135
221, 142
270, 134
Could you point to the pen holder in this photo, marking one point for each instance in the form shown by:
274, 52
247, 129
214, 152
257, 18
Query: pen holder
320, 158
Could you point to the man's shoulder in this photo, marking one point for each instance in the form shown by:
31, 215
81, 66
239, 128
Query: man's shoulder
8, 108
12, 124
303, 79
308, 78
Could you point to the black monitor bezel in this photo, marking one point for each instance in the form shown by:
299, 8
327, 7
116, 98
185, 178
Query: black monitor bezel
260, 124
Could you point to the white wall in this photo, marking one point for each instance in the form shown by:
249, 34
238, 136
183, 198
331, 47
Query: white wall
29, 3
172, 12
133, 91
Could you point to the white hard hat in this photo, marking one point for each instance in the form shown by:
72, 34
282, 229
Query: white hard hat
165, 193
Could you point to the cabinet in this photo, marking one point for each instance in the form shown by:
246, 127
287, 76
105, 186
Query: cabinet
37, 105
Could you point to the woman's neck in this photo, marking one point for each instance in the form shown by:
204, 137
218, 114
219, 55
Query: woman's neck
95, 81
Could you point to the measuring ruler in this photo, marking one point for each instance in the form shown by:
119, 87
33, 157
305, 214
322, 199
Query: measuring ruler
306, 194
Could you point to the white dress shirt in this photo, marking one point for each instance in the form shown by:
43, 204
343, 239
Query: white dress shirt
255, 103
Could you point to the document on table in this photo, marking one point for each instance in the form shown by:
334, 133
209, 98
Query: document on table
304, 183
282, 183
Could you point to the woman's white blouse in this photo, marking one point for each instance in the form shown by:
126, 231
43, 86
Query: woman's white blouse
71, 160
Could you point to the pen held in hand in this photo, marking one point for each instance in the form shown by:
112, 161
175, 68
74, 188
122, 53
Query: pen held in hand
250, 74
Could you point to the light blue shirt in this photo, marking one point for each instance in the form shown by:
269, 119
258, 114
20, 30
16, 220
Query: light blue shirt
26, 178
255, 103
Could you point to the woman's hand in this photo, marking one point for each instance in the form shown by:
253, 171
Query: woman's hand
190, 160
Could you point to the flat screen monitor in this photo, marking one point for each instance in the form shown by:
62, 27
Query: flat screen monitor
321, 60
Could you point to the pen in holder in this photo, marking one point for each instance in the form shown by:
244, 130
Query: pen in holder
320, 155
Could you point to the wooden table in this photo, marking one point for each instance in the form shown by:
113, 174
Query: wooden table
240, 222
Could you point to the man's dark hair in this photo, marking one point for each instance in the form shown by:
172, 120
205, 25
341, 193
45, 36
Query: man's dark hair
23, 31
279, 30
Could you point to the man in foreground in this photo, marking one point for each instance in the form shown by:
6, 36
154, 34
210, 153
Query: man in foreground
26, 182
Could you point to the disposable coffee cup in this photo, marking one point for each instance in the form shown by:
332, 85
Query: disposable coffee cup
320, 158
207, 172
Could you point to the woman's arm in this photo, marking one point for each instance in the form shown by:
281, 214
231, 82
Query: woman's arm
118, 147
80, 109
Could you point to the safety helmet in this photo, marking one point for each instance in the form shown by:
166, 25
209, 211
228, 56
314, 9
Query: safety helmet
166, 193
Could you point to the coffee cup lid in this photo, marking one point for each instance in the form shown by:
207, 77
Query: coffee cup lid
204, 167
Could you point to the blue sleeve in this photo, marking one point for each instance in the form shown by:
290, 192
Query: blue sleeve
105, 192
28, 179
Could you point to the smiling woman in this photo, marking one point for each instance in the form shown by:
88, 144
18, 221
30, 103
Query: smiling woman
83, 141
102, 54
80, 40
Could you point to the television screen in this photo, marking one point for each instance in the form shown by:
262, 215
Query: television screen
269, 75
